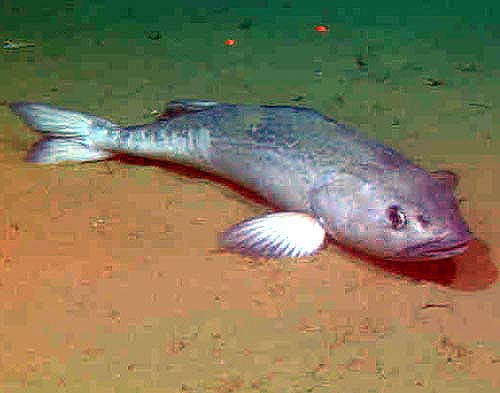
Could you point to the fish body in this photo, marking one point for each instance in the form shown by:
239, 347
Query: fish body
326, 177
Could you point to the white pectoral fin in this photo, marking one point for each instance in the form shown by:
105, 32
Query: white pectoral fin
276, 235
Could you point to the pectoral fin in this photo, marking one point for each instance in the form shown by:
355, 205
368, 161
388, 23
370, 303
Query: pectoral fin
276, 235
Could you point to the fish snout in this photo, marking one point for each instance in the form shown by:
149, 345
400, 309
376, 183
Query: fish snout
445, 246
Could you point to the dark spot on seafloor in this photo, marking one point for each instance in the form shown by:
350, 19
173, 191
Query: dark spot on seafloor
286, 4
298, 98
339, 100
153, 35
245, 24
431, 82
17, 10
360, 63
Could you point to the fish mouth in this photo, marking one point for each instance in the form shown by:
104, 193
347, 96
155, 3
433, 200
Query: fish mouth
436, 249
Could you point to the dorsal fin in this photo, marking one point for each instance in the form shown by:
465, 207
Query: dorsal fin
179, 107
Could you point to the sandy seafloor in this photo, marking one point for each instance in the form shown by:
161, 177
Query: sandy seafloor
109, 276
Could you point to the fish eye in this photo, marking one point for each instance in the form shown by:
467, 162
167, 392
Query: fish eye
396, 217
423, 221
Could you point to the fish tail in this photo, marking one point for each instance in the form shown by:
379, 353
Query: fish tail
69, 136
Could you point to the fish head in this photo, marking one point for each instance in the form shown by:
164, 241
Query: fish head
415, 219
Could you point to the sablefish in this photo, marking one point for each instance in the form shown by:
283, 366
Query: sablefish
327, 179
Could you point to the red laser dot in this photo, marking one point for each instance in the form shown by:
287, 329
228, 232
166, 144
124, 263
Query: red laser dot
230, 42
322, 28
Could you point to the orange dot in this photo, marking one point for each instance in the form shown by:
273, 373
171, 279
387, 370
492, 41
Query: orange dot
322, 28
229, 42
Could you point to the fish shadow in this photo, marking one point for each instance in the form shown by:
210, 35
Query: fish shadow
192, 173
472, 271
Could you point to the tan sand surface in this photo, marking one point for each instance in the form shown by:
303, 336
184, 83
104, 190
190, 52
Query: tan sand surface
110, 277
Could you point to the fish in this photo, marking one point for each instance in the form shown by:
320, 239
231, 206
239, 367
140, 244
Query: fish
327, 180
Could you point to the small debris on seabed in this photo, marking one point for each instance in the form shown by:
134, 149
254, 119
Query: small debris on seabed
318, 74
13, 45
479, 107
151, 113
153, 35
436, 305
245, 24
360, 63
322, 29
468, 67
431, 82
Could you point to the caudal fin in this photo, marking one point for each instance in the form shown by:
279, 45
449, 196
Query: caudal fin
54, 150
69, 135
